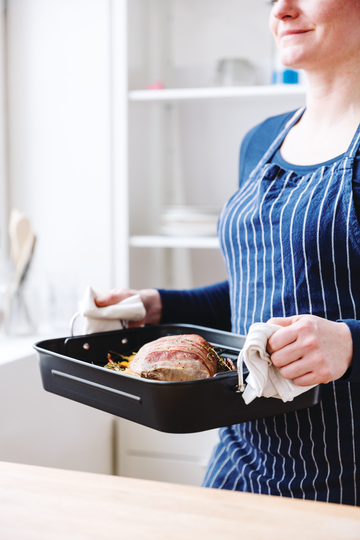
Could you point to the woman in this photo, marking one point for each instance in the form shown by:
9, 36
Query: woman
290, 237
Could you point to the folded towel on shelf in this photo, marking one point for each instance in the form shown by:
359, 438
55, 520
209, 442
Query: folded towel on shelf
264, 378
104, 319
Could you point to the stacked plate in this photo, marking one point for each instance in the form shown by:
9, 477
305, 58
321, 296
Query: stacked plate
189, 221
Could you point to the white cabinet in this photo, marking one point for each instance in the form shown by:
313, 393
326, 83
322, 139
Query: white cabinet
39, 428
181, 147
167, 457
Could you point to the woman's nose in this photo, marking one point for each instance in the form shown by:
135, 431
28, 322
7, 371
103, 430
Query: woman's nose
283, 9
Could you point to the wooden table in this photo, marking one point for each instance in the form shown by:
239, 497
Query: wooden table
46, 504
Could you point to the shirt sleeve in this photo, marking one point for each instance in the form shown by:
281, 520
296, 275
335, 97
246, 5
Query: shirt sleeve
207, 306
353, 373
356, 185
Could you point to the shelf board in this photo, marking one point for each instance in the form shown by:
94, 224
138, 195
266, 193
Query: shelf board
179, 94
202, 242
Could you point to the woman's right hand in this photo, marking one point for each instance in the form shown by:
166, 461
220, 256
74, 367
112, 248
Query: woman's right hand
149, 297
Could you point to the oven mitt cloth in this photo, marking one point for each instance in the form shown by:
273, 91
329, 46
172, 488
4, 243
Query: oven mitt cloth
264, 378
104, 319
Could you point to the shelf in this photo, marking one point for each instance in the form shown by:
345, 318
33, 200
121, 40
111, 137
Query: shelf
202, 242
179, 94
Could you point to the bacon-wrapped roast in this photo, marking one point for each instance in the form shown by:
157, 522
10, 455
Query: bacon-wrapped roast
174, 358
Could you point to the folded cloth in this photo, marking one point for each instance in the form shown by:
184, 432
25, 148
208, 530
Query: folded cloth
264, 378
104, 319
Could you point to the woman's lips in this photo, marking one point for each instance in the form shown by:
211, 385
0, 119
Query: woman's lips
286, 33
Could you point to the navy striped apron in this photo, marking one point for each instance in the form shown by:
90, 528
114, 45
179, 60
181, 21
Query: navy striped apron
292, 246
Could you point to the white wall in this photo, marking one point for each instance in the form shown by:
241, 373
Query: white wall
4, 188
60, 151
59, 85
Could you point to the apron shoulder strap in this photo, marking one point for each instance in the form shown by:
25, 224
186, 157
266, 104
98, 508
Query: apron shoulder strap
278, 140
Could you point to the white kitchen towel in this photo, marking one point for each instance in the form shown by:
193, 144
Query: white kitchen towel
104, 319
264, 378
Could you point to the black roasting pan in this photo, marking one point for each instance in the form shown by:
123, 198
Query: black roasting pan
72, 367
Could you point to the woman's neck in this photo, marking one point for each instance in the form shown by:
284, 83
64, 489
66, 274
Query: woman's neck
333, 94
330, 120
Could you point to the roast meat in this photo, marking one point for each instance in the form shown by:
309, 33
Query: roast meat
176, 358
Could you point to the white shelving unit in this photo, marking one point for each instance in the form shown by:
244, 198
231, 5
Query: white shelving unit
174, 242
179, 146
196, 242
173, 95
180, 94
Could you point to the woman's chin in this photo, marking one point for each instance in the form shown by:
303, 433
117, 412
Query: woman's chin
293, 59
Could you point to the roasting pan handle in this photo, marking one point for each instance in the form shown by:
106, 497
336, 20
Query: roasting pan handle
240, 364
123, 322
72, 323
91, 384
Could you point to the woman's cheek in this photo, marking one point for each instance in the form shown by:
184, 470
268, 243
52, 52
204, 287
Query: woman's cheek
273, 25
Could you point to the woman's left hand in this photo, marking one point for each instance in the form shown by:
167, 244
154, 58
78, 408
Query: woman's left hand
310, 350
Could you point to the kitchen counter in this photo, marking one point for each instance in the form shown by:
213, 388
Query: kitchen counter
44, 504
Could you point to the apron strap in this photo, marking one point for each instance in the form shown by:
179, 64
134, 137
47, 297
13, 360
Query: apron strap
277, 142
354, 145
